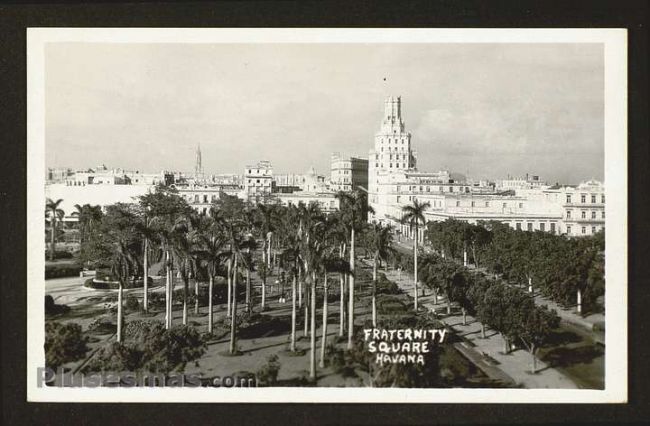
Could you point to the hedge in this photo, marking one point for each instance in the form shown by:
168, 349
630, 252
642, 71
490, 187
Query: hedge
62, 270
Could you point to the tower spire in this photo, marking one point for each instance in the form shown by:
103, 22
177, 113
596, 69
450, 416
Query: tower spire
198, 167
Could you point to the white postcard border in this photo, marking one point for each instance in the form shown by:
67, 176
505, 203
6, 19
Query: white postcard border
616, 366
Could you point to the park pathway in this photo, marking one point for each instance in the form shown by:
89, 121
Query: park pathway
516, 364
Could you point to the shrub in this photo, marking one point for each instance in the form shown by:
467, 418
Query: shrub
132, 304
102, 325
148, 346
58, 254
63, 343
268, 373
52, 308
61, 270
180, 345
386, 286
390, 305
116, 357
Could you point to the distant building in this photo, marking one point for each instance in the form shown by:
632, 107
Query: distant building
348, 173
325, 200
258, 182
528, 204
201, 197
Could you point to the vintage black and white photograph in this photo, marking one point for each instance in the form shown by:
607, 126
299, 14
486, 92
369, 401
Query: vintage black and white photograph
346, 215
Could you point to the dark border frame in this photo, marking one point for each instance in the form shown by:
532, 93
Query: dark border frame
14, 19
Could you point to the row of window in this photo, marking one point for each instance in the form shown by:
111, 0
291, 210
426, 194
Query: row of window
583, 198
583, 229
583, 214
542, 226
487, 204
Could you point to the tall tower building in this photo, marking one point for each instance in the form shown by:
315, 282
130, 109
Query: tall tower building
392, 154
198, 167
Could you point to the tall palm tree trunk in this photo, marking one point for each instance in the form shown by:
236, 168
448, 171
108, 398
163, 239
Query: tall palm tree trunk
323, 342
233, 319
168, 291
342, 304
312, 359
228, 306
196, 296
306, 311
293, 314
264, 290
185, 289
351, 293
415, 268
210, 313
248, 290
374, 292
268, 258
299, 288
53, 244
120, 318
145, 296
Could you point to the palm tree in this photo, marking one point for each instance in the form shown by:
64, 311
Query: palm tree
55, 213
211, 254
413, 215
167, 211
331, 263
354, 210
121, 245
291, 261
379, 244
149, 235
88, 217
238, 244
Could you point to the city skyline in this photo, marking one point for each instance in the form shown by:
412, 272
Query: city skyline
485, 111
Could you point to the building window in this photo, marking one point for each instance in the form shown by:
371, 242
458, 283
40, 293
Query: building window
583, 198
398, 197
518, 226
457, 203
391, 165
505, 205
603, 214
451, 189
521, 205
397, 165
568, 229
205, 198
568, 199
530, 226
584, 229
593, 199
568, 214
487, 204
602, 199
473, 204
593, 229
553, 228
583, 214
542, 226
593, 215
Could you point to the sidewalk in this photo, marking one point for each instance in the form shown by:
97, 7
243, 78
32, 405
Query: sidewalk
516, 364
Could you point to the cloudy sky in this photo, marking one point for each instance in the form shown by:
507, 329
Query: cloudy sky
486, 110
